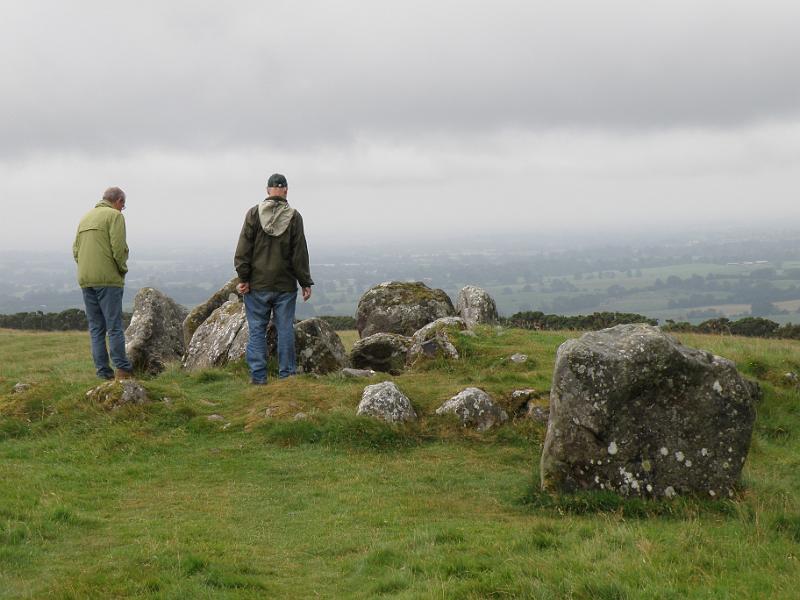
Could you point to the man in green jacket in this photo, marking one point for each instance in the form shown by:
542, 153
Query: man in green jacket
271, 259
101, 252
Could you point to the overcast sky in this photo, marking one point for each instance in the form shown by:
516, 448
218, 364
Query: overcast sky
398, 120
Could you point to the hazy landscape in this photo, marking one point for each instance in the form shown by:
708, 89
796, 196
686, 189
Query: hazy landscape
683, 277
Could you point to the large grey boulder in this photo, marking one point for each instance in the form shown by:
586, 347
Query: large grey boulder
400, 307
385, 401
475, 305
219, 338
201, 312
318, 348
634, 411
385, 352
474, 408
155, 334
434, 340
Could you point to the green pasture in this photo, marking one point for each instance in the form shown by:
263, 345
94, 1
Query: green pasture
158, 501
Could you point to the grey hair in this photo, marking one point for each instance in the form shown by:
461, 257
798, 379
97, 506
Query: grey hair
113, 194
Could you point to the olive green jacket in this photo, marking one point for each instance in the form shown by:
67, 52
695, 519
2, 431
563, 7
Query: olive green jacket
272, 262
100, 248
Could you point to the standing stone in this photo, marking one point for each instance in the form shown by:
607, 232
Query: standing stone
385, 401
400, 307
475, 408
213, 341
202, 311
475, 305
155, 335
385, 352
318, 347
634, 411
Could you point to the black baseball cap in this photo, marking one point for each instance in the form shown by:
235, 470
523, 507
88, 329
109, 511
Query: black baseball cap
277, 181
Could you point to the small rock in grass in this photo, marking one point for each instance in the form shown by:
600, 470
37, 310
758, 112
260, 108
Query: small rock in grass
114, 394
475, 408
215, 417
21, 387
385, 401
540, 414
518, 358
355, 373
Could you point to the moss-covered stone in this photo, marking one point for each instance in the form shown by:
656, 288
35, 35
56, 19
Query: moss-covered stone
635, 412
401, 308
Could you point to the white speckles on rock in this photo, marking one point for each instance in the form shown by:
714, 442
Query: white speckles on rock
669, 492
673, 407
712, 493
649, 488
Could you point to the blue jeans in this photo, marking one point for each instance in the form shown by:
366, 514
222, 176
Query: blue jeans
104, 313
258, 305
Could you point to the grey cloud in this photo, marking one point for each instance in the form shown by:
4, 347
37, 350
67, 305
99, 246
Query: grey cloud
111, 78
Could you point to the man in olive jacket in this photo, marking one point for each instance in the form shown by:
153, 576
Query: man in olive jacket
101, 252
271, 259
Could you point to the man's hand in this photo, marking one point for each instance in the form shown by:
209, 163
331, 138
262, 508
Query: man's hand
243, 288
306, 294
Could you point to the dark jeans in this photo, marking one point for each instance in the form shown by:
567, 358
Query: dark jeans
104, 313
258, 305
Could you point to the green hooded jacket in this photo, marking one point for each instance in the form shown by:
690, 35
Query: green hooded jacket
100, 248
272, 253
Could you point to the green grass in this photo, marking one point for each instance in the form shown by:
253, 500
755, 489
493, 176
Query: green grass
157, 501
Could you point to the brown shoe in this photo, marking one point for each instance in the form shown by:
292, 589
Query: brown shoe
121, 374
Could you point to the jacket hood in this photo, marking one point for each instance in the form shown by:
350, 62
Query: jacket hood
275, 215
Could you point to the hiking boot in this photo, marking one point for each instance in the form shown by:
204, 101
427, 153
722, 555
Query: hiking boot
122, 374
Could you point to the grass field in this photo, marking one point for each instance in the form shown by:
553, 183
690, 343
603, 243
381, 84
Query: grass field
158, 501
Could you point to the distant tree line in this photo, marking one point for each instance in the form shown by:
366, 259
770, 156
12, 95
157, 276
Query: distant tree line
66, 320
593, 322
75, 319
747, 326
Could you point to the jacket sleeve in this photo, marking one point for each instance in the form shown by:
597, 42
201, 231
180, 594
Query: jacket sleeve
243, 259
119, 245
75, 246
300, 252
